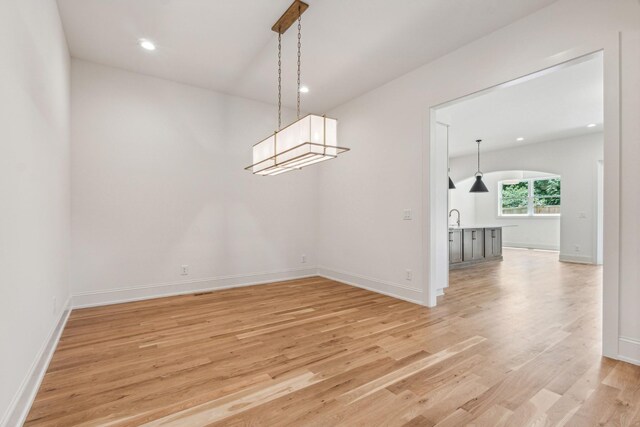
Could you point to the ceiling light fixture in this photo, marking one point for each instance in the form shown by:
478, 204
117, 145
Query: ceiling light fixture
478, 186
310, 139
520, 139
591, 125
304, 89
146, 44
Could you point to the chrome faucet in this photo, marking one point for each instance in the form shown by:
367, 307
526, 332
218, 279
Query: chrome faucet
451, 211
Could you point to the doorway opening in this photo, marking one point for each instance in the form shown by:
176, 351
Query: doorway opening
541, 158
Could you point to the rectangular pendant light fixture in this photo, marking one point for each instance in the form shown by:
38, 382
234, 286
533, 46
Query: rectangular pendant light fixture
312, 139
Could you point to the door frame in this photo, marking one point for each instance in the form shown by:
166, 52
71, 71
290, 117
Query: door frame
599, 242
434, 210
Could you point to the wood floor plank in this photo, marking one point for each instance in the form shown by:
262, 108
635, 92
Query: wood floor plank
226, 406
407, 371
511, 343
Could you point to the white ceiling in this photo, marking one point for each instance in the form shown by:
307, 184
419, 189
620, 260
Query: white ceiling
553, 105
349, 46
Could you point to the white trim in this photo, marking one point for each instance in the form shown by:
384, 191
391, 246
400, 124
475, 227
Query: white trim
527, 245
20, 405
629, 350
435, 205
598, 240
157, 290
612, 212
577, 259
394, 290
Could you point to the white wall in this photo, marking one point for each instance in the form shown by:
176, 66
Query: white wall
575, 160
463, 201
158, 182
362, 233
34, 190
482, 208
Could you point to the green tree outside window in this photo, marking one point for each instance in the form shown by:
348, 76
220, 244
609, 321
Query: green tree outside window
544, 194
515, 198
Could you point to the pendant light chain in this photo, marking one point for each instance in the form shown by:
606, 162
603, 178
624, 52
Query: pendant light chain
478, 156
279, 80
299, 54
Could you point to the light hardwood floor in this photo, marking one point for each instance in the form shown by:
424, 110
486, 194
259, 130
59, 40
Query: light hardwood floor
512, 343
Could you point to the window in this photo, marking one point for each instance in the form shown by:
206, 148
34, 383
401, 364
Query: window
529, 197
515, 198
546, 196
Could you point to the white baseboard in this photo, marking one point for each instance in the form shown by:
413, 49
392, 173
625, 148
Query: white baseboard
138, 293
530, 246
578, 259
18, 409
387, 288
629, 350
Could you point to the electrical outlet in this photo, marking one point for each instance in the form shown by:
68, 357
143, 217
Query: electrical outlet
303, 258
577, 248
407, 215
184, 270
408, 275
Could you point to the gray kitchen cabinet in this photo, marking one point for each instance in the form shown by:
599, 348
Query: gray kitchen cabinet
493, 242
455, 246
473, 244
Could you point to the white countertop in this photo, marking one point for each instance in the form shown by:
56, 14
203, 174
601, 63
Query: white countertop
463, 226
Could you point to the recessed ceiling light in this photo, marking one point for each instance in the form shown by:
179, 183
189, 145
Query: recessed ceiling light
519, 138
147, 44
304, 89
591, 125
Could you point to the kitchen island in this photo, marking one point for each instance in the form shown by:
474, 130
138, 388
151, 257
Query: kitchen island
470, 245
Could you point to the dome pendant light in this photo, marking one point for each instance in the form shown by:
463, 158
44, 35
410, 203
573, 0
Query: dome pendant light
452, 186
478, 186
310, 139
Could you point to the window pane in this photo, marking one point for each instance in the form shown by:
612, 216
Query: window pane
546, 196
515, 197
